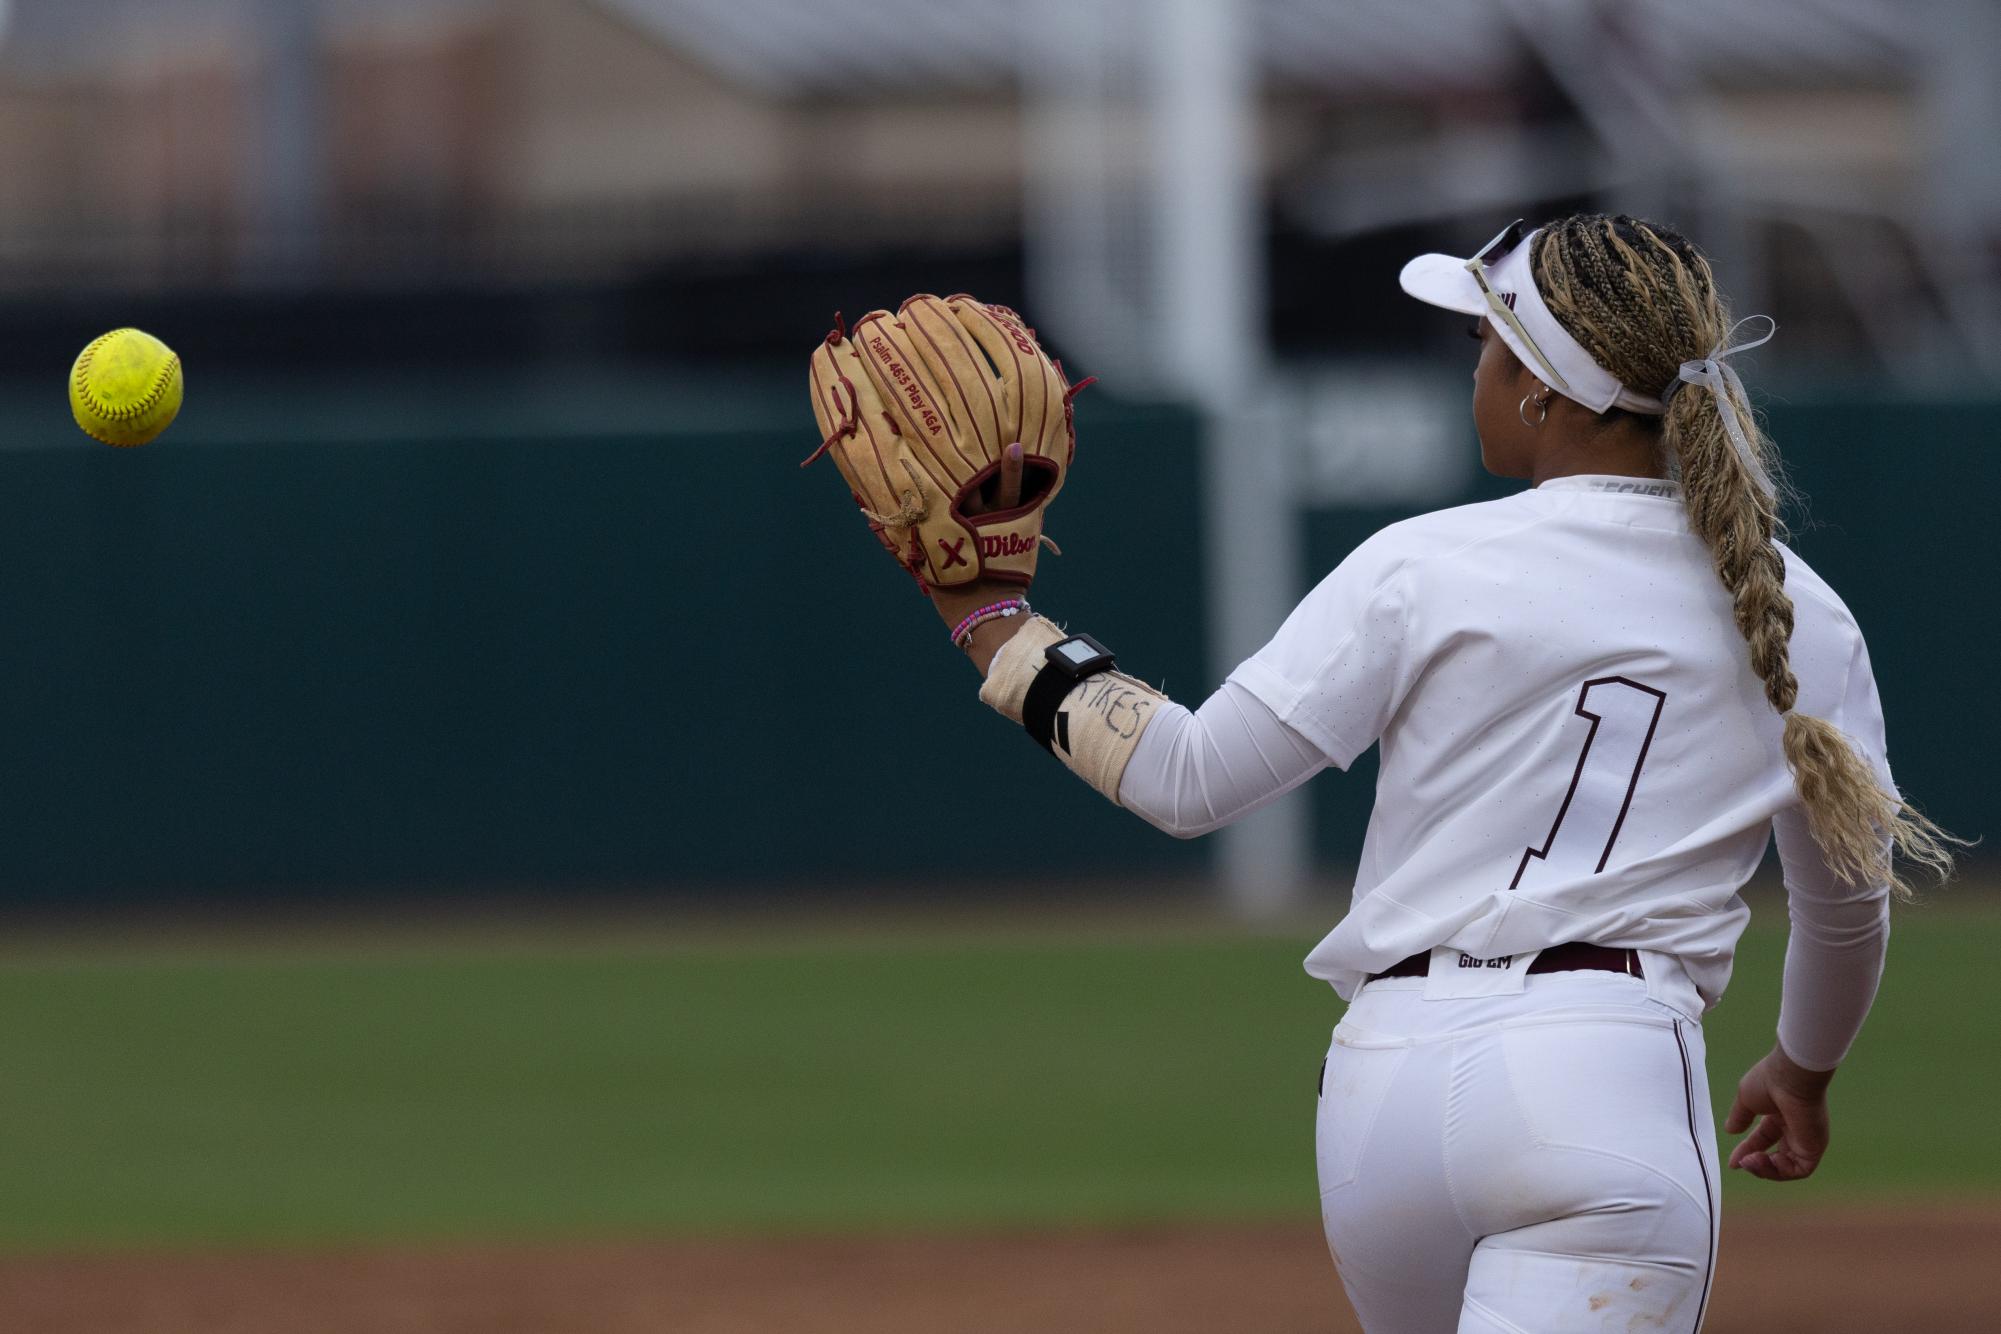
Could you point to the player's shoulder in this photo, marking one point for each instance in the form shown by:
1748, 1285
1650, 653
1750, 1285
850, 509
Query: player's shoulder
1809, 590
1397, 559
1826, 635
1445, 534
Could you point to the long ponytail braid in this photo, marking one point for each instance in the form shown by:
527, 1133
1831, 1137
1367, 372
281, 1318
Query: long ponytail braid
1642, 300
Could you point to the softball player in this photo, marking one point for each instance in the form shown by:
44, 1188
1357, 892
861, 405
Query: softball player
1595, 701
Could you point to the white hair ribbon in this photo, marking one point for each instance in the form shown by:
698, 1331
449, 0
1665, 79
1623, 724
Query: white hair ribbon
1713, 374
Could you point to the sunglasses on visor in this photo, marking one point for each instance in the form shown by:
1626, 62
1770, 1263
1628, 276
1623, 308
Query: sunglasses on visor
1495, 250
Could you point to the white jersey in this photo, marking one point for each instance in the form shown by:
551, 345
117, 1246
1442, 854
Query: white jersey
1574, 746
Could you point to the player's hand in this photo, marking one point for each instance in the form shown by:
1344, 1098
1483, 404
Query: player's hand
1788, 1103
1002, 491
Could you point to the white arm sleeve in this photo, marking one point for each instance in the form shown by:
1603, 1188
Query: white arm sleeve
1840, 933
1195, 772
1834, 954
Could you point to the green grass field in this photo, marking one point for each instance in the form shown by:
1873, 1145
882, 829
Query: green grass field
964, 1077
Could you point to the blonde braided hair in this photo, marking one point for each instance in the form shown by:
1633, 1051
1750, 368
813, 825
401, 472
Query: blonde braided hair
1642, 300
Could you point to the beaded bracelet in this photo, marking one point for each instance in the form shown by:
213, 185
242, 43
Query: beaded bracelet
962, 633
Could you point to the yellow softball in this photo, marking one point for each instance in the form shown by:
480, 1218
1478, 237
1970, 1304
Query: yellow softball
125, 387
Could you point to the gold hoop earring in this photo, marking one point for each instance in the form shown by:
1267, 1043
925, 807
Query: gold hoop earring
1541, 408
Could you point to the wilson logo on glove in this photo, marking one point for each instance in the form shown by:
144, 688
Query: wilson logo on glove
1022, 336
1006, 544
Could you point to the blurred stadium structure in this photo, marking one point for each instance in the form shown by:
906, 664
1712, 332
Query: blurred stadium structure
1200, 200
1836, 153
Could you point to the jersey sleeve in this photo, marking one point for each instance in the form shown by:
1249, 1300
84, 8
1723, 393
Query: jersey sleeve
1335, 670
1861, 715
1196, 772
1839, 932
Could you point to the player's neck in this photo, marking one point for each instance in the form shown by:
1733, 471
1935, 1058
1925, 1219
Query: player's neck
1623, 450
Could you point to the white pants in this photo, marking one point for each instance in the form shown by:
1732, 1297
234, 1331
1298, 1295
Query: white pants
1536, 1163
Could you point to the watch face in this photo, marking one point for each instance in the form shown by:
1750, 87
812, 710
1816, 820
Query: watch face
1076, 652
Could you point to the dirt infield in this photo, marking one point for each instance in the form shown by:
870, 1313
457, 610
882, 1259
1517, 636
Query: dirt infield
1910, 1271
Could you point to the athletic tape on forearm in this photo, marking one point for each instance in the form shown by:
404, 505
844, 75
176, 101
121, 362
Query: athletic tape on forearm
1099, 723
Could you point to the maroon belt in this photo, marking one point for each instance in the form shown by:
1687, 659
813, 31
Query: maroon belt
1571, 958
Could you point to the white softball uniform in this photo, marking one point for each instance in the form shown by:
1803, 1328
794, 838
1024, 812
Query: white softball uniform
1574, 748
1538, 1162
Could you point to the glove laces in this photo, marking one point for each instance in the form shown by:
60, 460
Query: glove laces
1715, 374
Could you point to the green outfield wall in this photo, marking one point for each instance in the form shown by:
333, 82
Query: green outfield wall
529, 661
351, 651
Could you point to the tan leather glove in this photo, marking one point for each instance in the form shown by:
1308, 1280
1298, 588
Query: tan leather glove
917, 408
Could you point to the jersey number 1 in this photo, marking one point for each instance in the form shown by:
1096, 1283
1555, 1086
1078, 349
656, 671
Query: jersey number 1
1623, 714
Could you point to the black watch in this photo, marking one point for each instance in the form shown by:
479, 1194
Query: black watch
1065, 663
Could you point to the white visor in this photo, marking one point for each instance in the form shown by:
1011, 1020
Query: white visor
1442, 280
